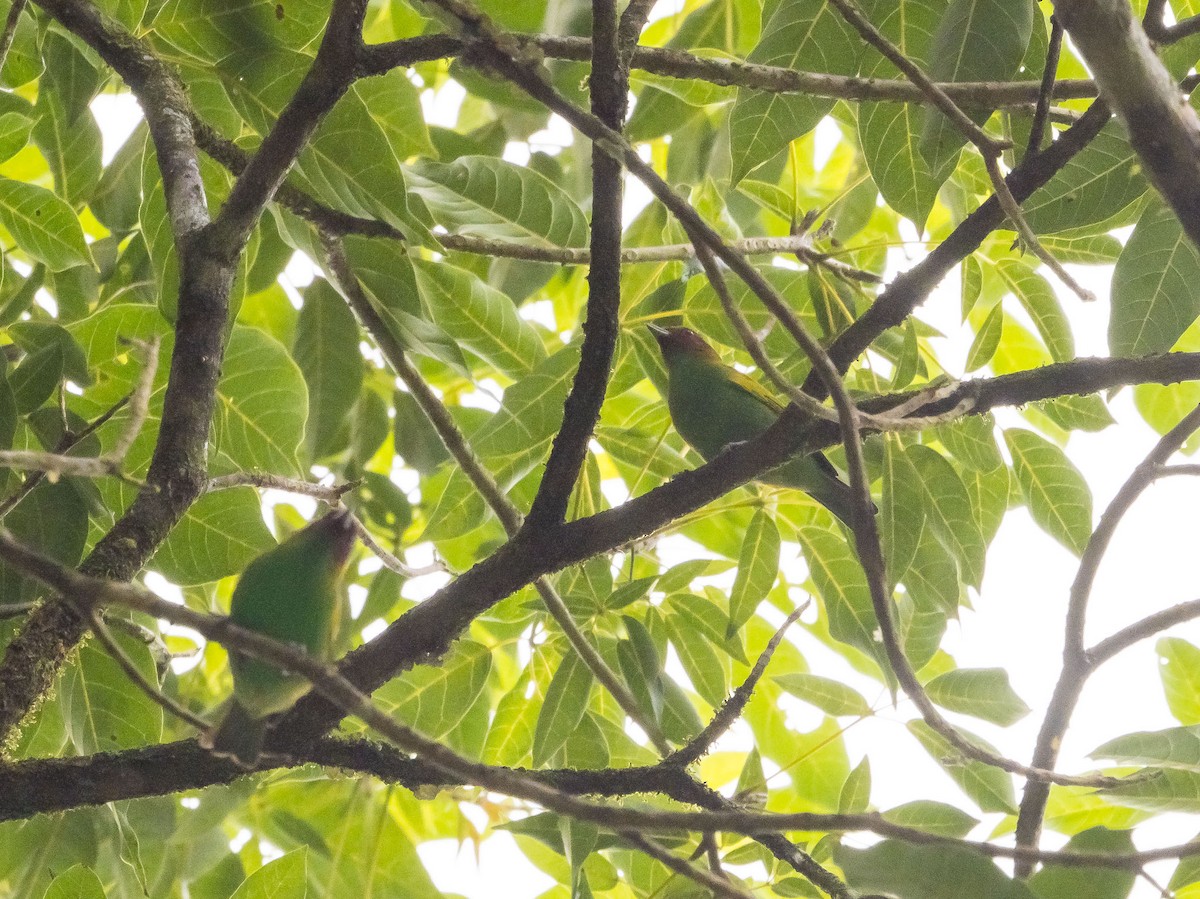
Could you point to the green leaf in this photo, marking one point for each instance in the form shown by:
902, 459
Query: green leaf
948, 511
972, 440
34, 380
71, 148
1071, 881
563, 708
933, 575
42, 225
77, 882
983, 347
1041, 302
890, 132
1179, 668
353, 161
15, 129
285, 876
704, 668
1092, 249
856, 791
1099, 181
935, 817
480, 318
805, 35
488, 197
989, 787
1163, 790
8, 412
907, 871
510, 737
326, 349
1175, 747
261, 406
434, 698
758, 566
511, 442
1058, 496
220, 535
104, 710
386, 273
830, 696
982, 692
976, 40
842, 586
972, 285
902, 512
210, 30
1153, 288
1078, 413
53, 518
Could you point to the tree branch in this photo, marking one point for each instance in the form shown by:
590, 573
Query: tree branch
1163, 128
673, 63
1077, 665
609, 86
910, 289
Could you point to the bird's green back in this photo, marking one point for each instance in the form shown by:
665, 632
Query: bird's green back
712, 406
290, 592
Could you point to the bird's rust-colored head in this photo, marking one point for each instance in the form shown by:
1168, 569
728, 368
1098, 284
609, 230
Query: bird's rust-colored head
679, 342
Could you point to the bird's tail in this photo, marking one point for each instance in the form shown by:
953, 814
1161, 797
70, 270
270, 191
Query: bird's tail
238, 737
837, 497
819, 479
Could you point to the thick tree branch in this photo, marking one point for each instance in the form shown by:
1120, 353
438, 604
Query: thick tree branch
1163, 127
207, 263
609, 85
177, 468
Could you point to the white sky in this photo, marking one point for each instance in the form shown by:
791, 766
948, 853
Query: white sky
1017, 621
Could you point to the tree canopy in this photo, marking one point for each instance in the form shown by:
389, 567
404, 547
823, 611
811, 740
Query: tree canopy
401, 255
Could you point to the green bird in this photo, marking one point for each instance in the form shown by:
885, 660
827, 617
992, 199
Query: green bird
291, 593
713, 406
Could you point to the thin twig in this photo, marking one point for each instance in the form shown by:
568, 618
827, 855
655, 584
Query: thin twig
976, 135
673, 63
718, 885
733, 707
1141, 630
107, 464
10, 29
1012, 209
1160, 32
1041, 113
391, 562
326, 493
65, 443
139, 398
799, 245
17, 609
118, 655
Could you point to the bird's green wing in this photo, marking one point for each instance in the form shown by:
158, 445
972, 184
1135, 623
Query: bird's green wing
755, 389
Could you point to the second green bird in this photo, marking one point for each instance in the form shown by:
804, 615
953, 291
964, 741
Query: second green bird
293, 594
713, 405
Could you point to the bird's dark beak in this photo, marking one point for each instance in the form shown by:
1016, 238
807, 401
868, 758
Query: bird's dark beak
660, 333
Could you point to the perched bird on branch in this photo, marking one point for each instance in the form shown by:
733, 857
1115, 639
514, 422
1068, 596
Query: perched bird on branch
713, 406
291, 593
